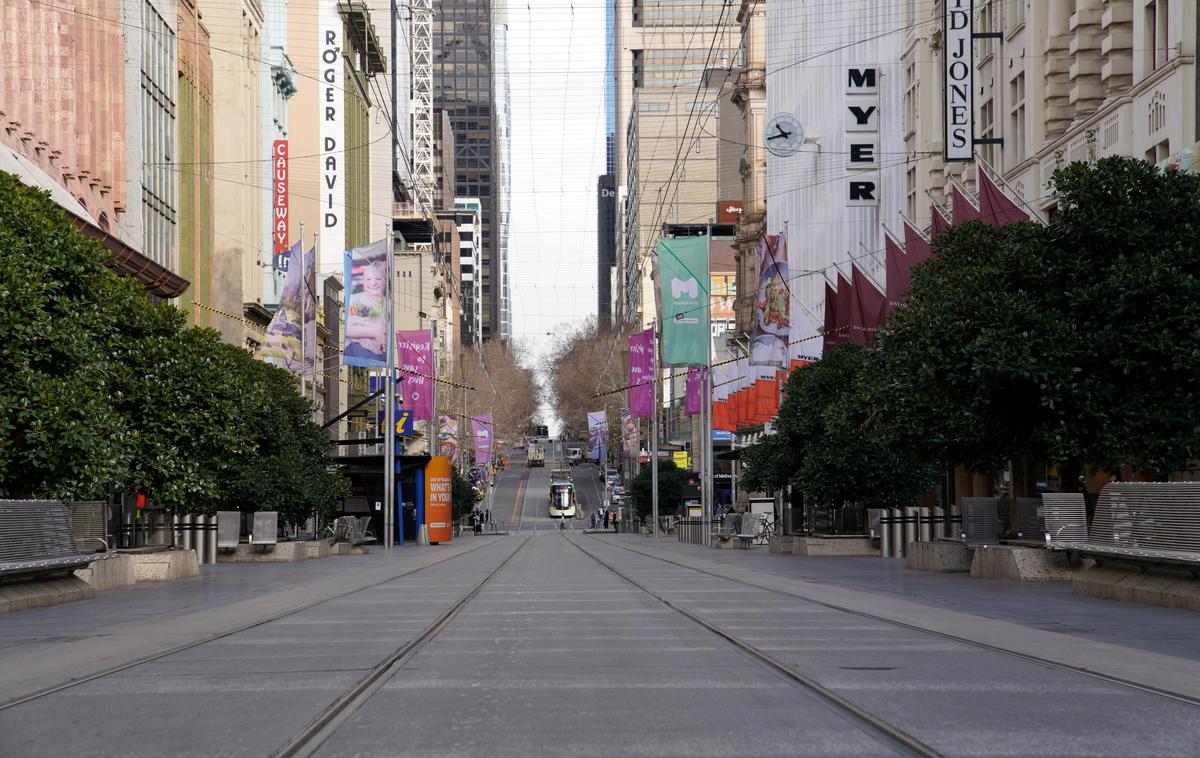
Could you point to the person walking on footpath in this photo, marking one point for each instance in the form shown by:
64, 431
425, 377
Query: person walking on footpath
616, 523
606, 520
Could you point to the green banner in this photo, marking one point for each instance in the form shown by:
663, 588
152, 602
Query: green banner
683, 285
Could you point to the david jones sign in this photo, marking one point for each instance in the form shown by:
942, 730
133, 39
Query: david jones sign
959, 133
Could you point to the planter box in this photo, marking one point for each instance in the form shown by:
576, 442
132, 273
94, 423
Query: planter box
1020, 564
283, 552
815, 547
942, 557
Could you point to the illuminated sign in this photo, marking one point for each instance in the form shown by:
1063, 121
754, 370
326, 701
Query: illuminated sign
279, 202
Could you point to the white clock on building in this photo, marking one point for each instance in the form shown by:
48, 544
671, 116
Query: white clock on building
783, 135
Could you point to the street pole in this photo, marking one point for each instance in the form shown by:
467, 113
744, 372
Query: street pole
313, 294
303, 294
389, 413
654, 434
706, 467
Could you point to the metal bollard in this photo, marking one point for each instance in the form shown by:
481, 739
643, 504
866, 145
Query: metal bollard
897, 532
209, 525
885, 532
924, 525
910, 528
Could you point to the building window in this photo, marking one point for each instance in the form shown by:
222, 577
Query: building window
1016, 118
1156, 34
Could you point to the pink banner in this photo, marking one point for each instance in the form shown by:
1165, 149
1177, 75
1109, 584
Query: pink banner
481, 432
695, 377
414, 352
641, 374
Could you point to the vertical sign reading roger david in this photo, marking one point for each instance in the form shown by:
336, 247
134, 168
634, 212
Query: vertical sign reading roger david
958, 25
331, 97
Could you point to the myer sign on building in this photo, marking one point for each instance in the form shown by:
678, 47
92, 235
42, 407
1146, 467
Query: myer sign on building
957, 23
331, 98
862, 135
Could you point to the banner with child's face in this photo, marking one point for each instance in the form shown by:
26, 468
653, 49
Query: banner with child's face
366, 295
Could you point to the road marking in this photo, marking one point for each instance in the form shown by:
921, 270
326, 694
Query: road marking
520, 495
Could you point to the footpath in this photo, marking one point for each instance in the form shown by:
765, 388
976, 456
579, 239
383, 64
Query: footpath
1156, 646
44, 647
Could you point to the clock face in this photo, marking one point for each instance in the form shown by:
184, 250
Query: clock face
783, 135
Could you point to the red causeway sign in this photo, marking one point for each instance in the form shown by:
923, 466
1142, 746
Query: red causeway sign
279, 204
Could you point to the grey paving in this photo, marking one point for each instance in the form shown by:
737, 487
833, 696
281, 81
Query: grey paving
559, 657
957, 698
1047, 606
247, 693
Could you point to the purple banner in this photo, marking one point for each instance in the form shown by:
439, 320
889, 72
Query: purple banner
641, 374
695, 377
481, 431
414, 351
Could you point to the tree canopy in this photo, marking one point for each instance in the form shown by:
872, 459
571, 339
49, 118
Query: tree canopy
106, 388
671, 479
1074, 342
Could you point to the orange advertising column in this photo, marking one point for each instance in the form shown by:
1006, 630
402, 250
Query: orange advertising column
439, 501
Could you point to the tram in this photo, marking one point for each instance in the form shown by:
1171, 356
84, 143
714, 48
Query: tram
562, 500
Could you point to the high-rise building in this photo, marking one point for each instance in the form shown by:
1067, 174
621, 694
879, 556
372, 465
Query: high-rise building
196, 191
464, 87
606, 246
100, 138
665, 138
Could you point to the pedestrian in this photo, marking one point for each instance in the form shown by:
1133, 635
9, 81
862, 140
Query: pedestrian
606, 520
616, 523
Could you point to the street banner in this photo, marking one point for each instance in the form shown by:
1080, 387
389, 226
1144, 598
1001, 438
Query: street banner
641, 374
447, 437
629, 434
772, 305
414, 353
309, 298
282, 345
366, 320
598, 434
439, 499
692, 400
481, 432
683, 283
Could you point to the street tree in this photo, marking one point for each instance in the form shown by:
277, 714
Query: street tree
833, 442
671, 479
585, 360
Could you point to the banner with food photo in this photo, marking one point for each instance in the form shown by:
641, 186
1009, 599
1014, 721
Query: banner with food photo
772, 305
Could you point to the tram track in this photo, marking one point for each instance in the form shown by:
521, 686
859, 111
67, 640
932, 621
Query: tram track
321, 727
887, 734
1178, 697
159, 655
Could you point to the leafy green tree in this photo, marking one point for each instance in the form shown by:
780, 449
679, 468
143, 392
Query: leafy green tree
835, 443
462, 494
671, 479
767, 464
104, 387
1074, 343
60, 434
1127, 247
980, 367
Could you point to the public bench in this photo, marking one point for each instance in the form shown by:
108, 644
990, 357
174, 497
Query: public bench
1155, 523
36, 539
353, 529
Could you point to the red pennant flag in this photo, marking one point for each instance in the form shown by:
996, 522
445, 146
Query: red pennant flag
995, 206
720, 419
831, 317
847, 305
916, 247
897, 275
870, 303
940, 222
964, 209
